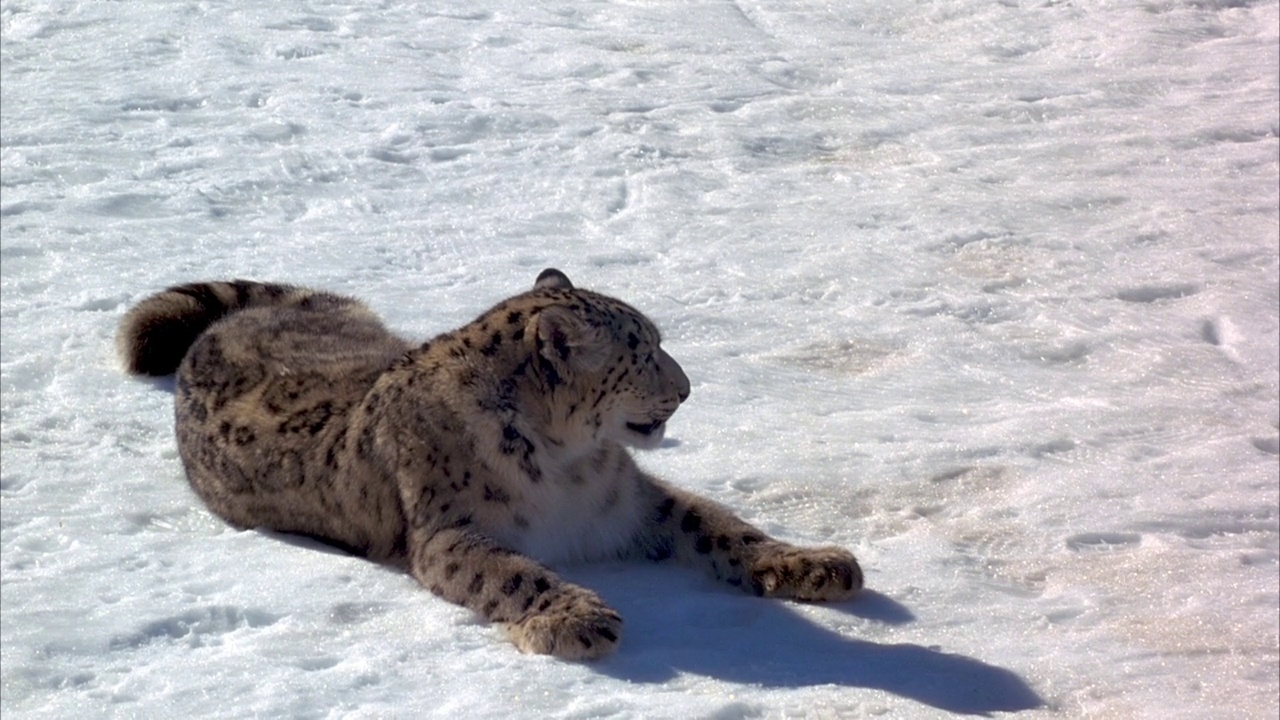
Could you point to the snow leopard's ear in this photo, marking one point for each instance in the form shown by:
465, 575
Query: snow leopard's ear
552, 278
568, 343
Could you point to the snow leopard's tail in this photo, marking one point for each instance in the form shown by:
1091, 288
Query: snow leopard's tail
156, 333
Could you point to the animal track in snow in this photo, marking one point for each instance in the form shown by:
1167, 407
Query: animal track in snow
1096, 541
1267, 445
1156, 292
199, 627
1221, 333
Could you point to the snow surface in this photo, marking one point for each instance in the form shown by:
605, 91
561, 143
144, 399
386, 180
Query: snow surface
984, 291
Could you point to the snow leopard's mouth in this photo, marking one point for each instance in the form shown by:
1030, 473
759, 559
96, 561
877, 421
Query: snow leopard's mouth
644, 429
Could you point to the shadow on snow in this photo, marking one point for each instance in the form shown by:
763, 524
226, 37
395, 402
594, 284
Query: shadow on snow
710, 632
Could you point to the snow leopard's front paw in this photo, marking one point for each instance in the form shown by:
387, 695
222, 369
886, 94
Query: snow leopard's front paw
787, 571
569, 622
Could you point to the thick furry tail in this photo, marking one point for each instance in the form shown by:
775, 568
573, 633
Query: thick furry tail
156, 333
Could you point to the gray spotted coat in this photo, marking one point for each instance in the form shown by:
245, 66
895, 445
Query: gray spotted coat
475, 461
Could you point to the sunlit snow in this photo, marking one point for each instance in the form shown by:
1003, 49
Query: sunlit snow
986, 292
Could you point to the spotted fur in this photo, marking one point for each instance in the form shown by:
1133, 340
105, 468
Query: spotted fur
474, 460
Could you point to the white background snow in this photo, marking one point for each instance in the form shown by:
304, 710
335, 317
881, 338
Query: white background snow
984, 291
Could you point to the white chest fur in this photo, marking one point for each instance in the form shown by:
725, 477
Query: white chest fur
573, 516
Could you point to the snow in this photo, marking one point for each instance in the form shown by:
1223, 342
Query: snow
986, 292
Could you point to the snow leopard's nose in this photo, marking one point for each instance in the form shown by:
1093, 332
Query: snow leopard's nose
682, 388
674, 375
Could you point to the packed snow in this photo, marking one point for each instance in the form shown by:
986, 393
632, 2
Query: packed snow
986, 292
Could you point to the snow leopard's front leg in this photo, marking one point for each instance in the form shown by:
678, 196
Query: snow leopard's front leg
703, 533
543, 613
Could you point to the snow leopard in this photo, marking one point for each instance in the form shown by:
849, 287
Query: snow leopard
477, 461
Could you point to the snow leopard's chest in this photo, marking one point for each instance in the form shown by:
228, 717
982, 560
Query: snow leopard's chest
576, 515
